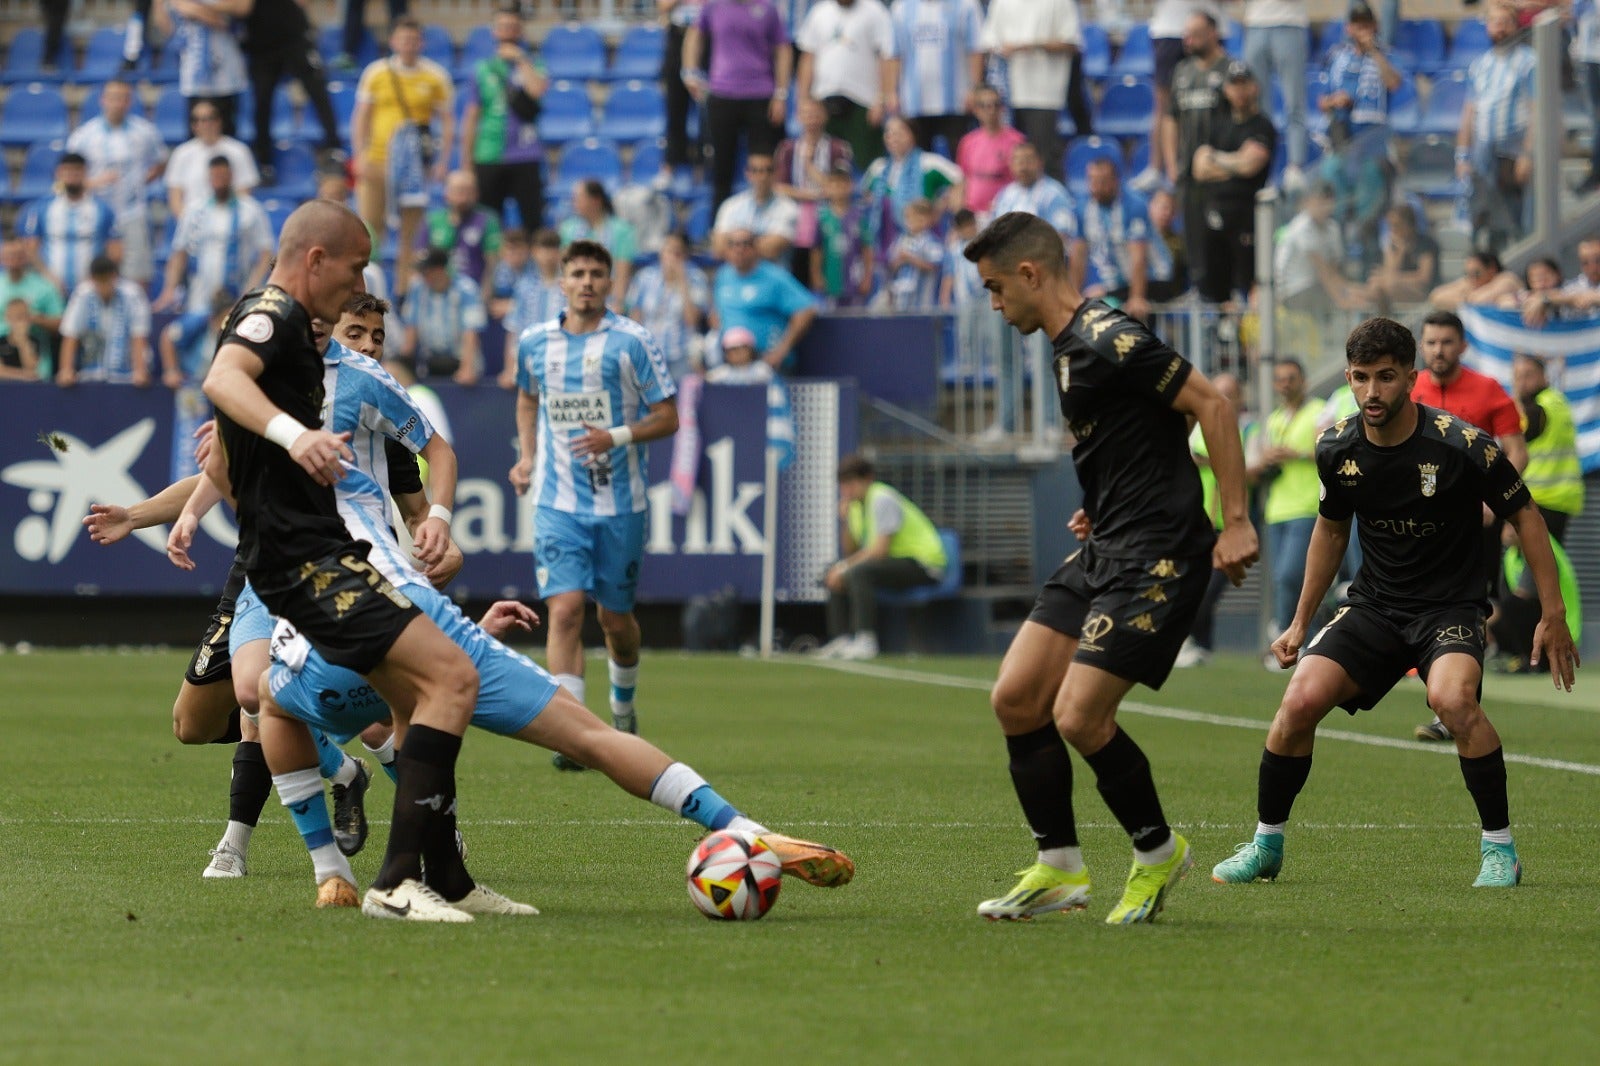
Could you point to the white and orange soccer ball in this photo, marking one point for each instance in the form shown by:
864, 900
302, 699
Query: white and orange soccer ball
734, 876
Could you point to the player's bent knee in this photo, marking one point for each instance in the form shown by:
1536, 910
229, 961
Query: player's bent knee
1457, 710
1019, 708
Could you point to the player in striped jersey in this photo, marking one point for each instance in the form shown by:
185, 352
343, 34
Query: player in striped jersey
593, 388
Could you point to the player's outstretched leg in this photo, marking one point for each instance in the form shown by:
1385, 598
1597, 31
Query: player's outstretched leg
1453, 693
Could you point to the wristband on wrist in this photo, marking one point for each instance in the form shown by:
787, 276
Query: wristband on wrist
621, 436
1462, 155
441, 512
283, 430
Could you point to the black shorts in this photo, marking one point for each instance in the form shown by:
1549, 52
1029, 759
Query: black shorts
1129, 616
1168, 53
349, 611
210, 662
1377, 648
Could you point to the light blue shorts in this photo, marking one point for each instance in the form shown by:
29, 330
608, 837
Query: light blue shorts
251, 621
588, 553
512, 689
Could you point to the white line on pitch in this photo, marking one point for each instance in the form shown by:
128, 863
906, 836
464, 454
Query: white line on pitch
1182, 714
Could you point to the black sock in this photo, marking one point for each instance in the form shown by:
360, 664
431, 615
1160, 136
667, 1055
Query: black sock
231, 733
252, 783
1041, 772
1122, 775
1278, 782
1486, 780
423, 833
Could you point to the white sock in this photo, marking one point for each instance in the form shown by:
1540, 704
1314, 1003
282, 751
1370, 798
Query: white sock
237, 837
573, 684
384, 752
1265, 830
347, 771
1067, 860
741, 824
1498, 836
1157, 856
674, 786
624, 678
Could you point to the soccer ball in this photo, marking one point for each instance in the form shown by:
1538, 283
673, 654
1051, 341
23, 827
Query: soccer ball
734, 876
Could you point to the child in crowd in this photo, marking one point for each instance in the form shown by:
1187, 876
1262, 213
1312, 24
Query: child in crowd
916, 259
842, 261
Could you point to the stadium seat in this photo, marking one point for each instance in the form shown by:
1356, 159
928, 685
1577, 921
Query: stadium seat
1431, 167
343, 95
102, 57
172, 116
639, 54
636, 111
698, 226
38, 173
566, 114
648, 158
437, 45
1419, 46
91, 105
1443, 113
1138, 156
591, 158
1326, 40
1233, 40
1469, 41
1080, 153
947, 588
1138, 57
296, 173
574, 52
1096, 53
1405, 110
160, 68
25, 59
32, 113
1067, 128
278, 212
283, 115
330, 42
1126, 109
478, 45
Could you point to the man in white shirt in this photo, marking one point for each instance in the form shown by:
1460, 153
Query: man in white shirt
226, 237
125, 153
848, 61
760, 210
1038, 40
188, 171
1276, 45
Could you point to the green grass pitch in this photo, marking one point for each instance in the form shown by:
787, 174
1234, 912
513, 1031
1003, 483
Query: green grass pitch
1371, 948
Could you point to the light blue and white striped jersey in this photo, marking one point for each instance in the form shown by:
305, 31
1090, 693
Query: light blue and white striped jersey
1159, 265
1108, 229
360, 398
605, 378
533, 300
935, 39
659, 307
440, 318
910, 288
131, 149
210, 62
105, 329
1500, 86
1586, 32
966, 283
1047, 198
70, 234
224, 241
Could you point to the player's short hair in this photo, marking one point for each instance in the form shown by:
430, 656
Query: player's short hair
1016, 237
1447, 319
364, 303
586, 250
857, 467
1377, 339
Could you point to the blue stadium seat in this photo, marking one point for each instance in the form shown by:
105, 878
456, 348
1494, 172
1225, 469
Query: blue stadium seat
32, 113
1469, 41
591, 158
330, 42
574, 52
278, 212
1443, 113
343, 96
25, 59
91, 105
296, 173
1067, 128
948, 588
102, 57
1431, 167
1326, 40
478, 45
698, 227
1405, 110
639, 54
1138, 57
567, 114
1419, 46
1233, 40
38, 172
172, 116
438, 46
636, 111
1126, 108
1080, 153
648, 158
160, 68
1138, 155
283, 114
1096, 53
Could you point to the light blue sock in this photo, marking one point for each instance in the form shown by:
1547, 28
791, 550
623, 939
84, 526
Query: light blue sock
684, 792
706, 808
301, 792
330, 757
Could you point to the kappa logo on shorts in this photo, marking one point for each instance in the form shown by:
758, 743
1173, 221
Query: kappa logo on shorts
321, 580
1155, 594
347, 599
1456, 635
1430, 477
1095, 628
1164, 568
1143, 623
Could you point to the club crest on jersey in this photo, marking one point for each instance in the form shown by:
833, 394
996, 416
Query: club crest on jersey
1430, 477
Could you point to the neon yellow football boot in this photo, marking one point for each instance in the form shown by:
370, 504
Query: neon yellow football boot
1042, 889
1148, 886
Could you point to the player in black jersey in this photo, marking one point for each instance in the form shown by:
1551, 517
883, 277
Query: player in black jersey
266, 384
1416, 478
1118, 609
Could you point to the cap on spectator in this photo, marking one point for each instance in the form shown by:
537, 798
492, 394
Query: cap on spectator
434, 257
1239, 70
738, 337
1361, 12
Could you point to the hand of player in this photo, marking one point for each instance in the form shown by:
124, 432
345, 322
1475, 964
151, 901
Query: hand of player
319, 452
1287, 647
594, 441
107, 523
1552, 640
445, 570
834, 578
522, 475
1079, 524
1236, 551
179, 539
505, 617
431, 542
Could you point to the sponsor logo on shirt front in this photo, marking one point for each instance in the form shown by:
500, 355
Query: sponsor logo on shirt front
574, 410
